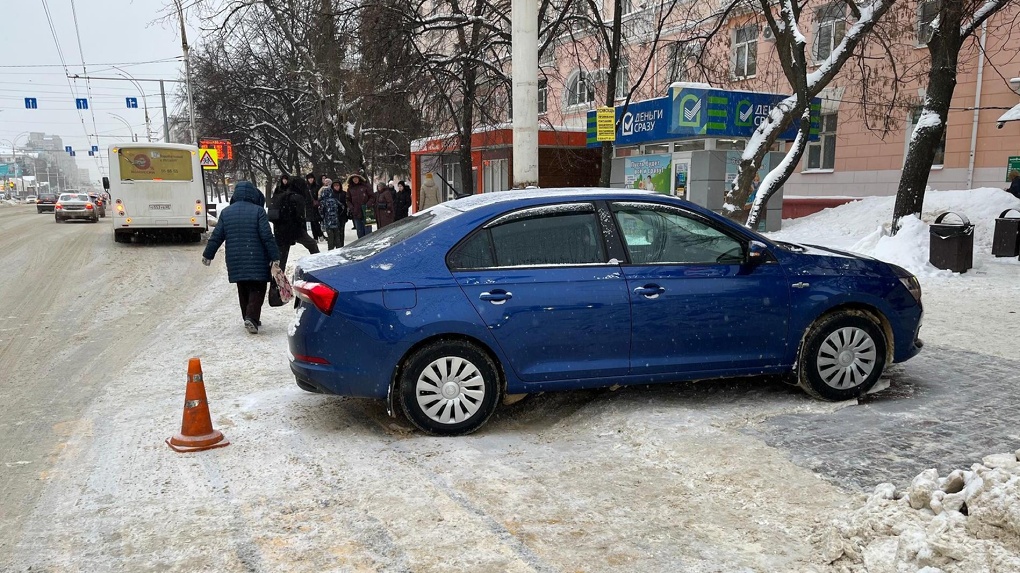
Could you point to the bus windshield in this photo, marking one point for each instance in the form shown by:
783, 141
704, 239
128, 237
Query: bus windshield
155, 164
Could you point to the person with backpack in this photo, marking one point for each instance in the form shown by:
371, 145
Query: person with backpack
251, 250
287, 213
359, 197
329, 212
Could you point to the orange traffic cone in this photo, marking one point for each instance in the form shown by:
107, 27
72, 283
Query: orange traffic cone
197, 433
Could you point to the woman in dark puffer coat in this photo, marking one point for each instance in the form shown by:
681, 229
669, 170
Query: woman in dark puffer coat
251, 249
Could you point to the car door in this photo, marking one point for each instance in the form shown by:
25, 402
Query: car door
698, 305
541, 281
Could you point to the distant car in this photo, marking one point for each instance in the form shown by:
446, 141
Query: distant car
449, 310
46, 202
75, 206
100, 202
30, 199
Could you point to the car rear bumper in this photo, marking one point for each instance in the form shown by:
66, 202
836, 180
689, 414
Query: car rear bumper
66, 214
44, 207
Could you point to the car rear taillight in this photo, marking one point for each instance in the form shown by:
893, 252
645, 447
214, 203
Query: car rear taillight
88, 206
321, 295
58, 206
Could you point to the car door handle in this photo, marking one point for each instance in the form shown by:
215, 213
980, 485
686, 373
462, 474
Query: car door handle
496, 296
650, 291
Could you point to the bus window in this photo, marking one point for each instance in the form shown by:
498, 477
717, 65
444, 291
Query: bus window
155, 164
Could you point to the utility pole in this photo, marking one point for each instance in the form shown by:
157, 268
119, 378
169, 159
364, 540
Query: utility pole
524, 62
166, 121
187, 72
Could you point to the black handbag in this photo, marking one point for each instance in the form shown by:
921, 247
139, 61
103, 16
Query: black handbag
274, 295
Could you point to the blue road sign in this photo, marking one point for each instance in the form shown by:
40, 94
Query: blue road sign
67, 148
31, 103
132, 102
91, 153
72, 154
95, 148
81, 103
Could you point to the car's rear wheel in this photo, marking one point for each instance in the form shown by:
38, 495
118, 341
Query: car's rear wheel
449, 388
843, 356
58, 219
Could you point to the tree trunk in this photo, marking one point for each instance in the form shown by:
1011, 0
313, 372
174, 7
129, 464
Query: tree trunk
778, 175
468, 186
614, 67
926, 138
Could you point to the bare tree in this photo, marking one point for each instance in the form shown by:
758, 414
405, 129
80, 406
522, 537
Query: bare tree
950, 25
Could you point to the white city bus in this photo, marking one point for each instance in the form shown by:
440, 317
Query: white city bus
156, 189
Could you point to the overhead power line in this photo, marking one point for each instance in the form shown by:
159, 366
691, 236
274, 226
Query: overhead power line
121, 64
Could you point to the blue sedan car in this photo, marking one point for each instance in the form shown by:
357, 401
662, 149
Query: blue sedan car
452, 309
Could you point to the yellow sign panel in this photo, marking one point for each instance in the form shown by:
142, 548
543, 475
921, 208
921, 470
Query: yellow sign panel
154, 164
605, 124
208, 158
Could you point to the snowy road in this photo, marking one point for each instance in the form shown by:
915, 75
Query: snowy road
666, 478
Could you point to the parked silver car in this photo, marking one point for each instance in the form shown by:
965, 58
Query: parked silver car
75, 206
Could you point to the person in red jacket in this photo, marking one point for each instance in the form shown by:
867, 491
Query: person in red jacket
359, 197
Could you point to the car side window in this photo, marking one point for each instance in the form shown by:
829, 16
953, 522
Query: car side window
656, 235
556, 238
474, 253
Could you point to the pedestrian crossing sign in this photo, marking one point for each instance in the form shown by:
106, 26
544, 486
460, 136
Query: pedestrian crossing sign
208, 158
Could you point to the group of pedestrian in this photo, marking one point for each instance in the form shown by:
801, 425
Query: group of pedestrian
296, 205
388, 202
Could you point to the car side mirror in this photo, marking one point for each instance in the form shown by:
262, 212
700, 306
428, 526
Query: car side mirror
757, 252
106, 183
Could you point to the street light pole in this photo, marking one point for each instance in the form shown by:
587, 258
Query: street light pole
187, 71
145, 100
131, 130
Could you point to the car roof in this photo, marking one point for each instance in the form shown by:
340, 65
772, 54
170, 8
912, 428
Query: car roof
539, 195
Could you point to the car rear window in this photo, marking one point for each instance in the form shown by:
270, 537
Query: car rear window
378, 241
47, 196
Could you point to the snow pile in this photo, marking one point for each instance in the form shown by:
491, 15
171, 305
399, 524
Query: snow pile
965, 522
863, 227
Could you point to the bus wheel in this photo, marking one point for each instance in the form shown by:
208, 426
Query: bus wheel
119, 237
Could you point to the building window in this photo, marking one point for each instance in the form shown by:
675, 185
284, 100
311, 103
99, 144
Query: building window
940, 151
821, 154
547, 58
745, 52
627, 6
580, 89
927, 10
622, 79
830, 22
680, 61
543, 96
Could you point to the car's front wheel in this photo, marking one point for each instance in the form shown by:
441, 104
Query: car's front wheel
449, 388
843, 356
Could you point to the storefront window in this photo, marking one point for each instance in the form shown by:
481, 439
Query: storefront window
692, 145
656, 149
730, 144
625, 151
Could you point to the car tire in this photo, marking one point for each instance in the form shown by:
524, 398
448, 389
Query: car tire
449, 388
843, 356
58, 219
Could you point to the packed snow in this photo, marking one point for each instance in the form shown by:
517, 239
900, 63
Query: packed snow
965, 522
864, 227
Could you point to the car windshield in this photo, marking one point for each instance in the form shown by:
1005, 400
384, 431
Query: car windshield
378, 241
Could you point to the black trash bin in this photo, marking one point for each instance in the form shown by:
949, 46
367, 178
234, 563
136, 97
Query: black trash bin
952, 244
1006, 239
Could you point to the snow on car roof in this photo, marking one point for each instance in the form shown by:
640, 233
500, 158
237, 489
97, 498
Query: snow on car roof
486, 199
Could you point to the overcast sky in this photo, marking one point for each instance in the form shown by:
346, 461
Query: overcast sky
120, 32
